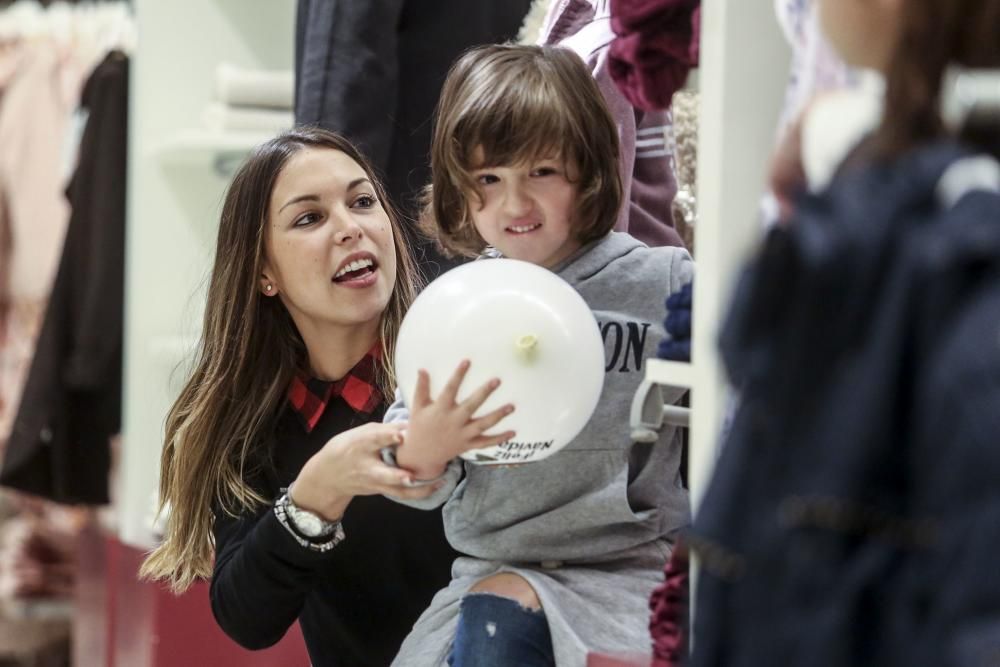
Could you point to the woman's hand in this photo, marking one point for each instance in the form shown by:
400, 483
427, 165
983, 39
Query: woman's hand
350, 465
441, 429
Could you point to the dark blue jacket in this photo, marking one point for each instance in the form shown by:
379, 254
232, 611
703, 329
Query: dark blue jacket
854, 516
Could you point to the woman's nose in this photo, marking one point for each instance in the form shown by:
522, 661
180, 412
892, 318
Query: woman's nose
346, 229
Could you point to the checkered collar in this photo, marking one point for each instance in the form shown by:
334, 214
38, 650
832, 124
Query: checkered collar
309, 396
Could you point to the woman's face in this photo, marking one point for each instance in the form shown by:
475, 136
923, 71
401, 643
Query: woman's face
329, 249
864, 32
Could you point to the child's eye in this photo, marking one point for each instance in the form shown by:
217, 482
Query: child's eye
306, 220
487, 179
544, 171
365, 201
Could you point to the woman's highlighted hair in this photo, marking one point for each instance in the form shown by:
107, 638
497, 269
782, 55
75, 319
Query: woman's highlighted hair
248, 353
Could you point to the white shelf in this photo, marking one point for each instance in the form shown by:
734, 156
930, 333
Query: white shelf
196, 146
670, 373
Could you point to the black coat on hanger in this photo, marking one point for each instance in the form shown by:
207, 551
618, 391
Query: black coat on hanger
59, 445
374, 70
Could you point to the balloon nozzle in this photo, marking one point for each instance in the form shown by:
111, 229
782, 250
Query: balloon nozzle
526, 347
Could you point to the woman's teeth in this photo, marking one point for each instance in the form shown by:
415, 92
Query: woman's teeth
356, 265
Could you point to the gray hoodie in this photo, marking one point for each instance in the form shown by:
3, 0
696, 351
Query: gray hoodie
602, 494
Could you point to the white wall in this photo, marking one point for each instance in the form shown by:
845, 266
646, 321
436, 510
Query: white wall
173, 204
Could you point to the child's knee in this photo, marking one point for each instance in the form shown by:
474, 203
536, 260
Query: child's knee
508, 585
496, 631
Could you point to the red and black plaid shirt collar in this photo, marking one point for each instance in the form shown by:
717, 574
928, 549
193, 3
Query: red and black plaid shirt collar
309, 396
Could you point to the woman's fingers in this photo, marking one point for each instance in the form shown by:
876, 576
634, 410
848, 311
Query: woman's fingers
390, 481
411, 492
375, 436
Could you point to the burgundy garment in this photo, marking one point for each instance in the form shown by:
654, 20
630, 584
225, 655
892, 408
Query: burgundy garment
669, 607
655, 48
646, 154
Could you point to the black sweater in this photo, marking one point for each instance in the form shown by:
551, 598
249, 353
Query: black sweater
355, 603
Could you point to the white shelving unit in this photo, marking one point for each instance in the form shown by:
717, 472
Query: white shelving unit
177, 177
744, 71
742, 77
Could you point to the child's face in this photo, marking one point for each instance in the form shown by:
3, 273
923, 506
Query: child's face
527, 209
330, 253
864, 32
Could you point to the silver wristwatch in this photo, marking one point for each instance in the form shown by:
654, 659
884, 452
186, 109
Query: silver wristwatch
308, 528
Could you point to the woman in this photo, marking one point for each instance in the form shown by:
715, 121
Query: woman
272, 447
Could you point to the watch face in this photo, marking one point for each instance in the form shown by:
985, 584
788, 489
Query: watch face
306, 522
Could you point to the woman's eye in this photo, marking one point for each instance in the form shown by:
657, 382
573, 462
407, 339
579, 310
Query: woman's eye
306, 220
365, 201
487, 179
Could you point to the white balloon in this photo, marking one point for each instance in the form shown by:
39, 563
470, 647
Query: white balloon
518, 322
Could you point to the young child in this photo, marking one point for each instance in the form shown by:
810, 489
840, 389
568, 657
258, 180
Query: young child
561, 554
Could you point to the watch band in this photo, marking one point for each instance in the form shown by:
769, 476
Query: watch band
328, 543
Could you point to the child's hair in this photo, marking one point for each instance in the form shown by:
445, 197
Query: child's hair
249, 351
519, 103
934, 35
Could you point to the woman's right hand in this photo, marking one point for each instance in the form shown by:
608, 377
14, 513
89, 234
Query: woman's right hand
350, 465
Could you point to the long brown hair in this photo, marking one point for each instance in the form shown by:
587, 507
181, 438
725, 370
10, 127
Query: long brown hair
934, 35
520, 103
248, 353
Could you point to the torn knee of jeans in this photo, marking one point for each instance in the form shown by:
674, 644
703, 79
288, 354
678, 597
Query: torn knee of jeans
489, 594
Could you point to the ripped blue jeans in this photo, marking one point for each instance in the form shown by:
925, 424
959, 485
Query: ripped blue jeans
495, 631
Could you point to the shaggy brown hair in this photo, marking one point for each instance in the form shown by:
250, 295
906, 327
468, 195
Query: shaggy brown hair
517, 104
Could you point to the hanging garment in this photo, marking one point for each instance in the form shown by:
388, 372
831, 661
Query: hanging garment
646, 139
655, 47
373, 71
41, 90
815, 66
852, 517
71, 406
668, 623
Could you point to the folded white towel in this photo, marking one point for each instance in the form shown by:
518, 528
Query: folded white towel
222, 118
240, 86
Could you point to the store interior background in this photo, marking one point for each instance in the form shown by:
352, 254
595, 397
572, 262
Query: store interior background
177, 169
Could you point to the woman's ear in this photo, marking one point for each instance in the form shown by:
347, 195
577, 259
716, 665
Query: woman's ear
267, 285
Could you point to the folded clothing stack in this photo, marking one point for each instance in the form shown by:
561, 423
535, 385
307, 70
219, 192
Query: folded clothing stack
251, 100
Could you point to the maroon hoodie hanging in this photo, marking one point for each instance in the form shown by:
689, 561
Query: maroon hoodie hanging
655, 48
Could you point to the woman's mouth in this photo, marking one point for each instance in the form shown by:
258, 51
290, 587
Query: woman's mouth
359, 272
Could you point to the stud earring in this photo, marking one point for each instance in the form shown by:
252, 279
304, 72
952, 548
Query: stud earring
268, 288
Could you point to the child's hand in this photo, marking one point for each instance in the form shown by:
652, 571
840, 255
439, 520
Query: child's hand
441, 429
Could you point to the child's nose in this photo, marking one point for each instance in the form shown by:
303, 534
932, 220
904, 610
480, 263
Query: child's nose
517, 202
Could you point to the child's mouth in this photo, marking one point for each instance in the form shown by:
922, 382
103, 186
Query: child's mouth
523, 229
